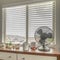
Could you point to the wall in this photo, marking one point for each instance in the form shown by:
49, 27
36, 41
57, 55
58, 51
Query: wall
0, 20
18, 2
58, 24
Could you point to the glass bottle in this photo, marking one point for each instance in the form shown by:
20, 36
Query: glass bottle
25, 46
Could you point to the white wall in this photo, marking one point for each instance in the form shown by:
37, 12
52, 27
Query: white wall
0, 20
58, 24
18, 2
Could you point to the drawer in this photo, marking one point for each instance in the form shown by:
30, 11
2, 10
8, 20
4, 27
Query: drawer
7, 56
35, 57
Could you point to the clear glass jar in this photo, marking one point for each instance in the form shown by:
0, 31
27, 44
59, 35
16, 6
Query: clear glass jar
25, 46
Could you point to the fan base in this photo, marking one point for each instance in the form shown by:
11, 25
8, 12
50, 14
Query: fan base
46, 49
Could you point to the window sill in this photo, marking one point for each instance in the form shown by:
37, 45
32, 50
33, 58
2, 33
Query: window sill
54, 53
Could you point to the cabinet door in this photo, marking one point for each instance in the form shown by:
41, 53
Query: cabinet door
7, 56
35, 57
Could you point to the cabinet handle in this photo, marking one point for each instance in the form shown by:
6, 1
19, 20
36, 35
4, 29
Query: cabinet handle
23, 58
9, 57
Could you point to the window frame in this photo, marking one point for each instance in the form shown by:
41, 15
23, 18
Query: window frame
4, 23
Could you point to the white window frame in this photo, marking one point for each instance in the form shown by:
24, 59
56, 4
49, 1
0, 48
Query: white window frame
4, 24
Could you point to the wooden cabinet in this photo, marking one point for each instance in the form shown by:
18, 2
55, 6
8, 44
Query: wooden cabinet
35, 57
20, 55
14, 56
7, 56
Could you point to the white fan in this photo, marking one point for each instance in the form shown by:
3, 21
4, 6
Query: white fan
44, 36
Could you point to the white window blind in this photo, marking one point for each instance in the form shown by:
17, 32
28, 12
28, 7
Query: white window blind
40, 15
16, 22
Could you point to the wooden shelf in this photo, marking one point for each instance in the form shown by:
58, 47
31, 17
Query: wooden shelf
55, 53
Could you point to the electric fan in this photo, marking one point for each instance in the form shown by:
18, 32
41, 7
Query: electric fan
44, 36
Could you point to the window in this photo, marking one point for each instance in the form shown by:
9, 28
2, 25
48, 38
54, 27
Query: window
15, 23
40, 15
34, 15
